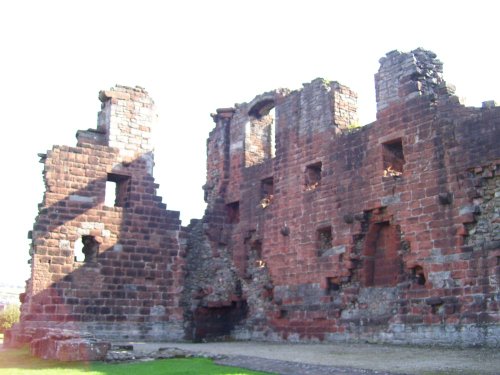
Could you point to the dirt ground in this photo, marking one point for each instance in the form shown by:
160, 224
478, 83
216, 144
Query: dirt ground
345, 358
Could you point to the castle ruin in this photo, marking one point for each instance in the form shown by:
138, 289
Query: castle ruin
316, 229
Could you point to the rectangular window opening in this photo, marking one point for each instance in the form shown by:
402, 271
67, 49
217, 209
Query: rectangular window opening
87, 249
283, 314
324, 238
393, 158
266, 192
256, 254
312, 176
332, 284
117, 189
233, 212
260, 144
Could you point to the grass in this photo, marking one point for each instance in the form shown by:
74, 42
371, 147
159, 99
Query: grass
20, 362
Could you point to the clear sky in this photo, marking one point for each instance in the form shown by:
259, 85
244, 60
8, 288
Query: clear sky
196, 56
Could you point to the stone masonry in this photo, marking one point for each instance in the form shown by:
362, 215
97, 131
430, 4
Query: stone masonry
316, 229
127, 285
387, 232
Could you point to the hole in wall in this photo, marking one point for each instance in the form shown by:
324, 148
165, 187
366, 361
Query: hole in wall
254, 259
233, 212
437, 308
272, 130
256, 249
260, 133
217, 322
418, 275
79, 255
283, 314
332, 284
324, 238
312, 176
393, 158
266, 192
117, 190
87, 249
445, 198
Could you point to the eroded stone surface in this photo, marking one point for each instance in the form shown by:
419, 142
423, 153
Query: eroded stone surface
356, 228
109, 266
67, 346
316, 229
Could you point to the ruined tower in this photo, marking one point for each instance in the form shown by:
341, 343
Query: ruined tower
316, 229
106, 252
384, 232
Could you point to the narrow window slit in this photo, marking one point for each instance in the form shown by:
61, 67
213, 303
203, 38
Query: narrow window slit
266, 192
117, 190
233, 212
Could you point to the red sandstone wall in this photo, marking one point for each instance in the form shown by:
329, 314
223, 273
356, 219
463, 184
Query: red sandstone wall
130, 287
384, 233
379, 245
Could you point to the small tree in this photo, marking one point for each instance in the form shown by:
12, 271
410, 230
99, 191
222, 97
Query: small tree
8, 317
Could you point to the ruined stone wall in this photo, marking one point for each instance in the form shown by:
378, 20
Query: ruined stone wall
315, 228
127, 282
383, 233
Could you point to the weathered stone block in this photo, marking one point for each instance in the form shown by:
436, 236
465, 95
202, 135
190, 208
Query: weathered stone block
407, 207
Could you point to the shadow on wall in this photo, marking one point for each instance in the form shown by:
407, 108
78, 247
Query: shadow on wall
124, 285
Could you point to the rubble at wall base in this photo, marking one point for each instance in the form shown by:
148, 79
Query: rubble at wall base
316, 229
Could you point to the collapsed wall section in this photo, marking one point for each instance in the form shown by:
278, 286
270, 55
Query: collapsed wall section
315, 228
106, 254
382, 233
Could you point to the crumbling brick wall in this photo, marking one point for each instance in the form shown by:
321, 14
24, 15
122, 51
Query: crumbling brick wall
127, 285
382, 233
315, 229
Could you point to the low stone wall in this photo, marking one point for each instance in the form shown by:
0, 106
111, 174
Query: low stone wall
59, 344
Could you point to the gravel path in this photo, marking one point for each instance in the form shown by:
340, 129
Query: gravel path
333, 359
292, 368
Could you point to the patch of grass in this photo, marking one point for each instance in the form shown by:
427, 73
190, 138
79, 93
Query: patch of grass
183, 366
20, 362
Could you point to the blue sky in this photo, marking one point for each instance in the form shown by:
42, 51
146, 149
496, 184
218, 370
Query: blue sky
196, 56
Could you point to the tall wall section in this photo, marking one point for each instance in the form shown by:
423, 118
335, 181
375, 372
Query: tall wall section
125, 283
315, 228
387, 233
